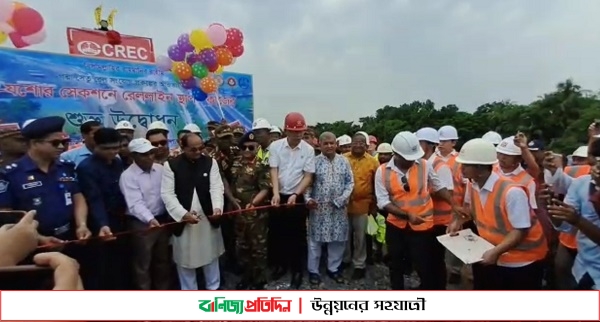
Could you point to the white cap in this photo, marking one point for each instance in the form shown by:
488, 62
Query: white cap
275, 129
261, 123
384, 148
508, 147
447, 133
140, 145
365, 135
192, 128
27, 123
407, 145
344, 140
477, 151
124, 125
581, 152
492, 137
428, 134
158, 125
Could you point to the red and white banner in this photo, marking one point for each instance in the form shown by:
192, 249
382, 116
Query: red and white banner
299, 306
94, 43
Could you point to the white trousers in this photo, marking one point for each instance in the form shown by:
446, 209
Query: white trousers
357, 236
335, 254
212, 276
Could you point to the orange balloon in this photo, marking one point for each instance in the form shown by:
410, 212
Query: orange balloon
208, 85
182, 70
224, 56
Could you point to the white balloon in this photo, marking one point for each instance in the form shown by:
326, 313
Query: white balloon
36, 38
6, 28
6, 10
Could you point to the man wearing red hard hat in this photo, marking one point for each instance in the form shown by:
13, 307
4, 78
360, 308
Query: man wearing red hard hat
372, 145
292, 166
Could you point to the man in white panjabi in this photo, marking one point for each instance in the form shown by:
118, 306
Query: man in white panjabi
192, 191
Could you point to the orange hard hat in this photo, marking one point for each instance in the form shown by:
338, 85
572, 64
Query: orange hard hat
294, 121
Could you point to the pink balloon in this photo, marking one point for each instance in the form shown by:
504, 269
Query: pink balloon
164, 63
27, 21
217, 34
17, 40
36, 38
6, 10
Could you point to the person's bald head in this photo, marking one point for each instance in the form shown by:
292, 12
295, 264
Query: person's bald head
328, 144
326, 136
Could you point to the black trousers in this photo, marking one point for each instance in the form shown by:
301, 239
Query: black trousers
228, 233
421, 247
287, 235
499, 278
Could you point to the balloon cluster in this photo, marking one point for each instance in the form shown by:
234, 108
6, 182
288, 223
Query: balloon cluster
22, 24
199, 55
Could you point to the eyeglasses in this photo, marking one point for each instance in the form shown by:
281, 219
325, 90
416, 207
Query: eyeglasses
159, 143
57, 143
248, 148
405, 185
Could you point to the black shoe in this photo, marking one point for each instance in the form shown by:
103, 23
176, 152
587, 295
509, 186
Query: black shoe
278, 273
336, 276
370, 261
359, 273
343, 266
243, 285
454, 279
258, 286
314, 279
296, 281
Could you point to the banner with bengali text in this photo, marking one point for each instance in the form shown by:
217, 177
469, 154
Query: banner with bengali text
37, 84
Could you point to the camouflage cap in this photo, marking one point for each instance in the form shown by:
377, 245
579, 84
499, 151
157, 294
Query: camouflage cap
239, 130
10, 133
223, 131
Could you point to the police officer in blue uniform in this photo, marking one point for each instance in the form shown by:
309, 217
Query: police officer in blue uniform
41, 181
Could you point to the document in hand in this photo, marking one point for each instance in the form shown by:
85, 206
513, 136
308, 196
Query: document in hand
467, 246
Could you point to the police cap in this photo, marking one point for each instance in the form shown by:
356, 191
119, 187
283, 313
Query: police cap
212, 124
248, 137
43, 127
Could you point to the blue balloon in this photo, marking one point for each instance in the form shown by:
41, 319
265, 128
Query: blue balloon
199, 95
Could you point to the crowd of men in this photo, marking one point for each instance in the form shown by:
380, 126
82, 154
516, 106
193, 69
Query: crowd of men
270, 200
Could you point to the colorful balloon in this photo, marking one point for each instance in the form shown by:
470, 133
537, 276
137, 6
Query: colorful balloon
3, 37
183, 42
199, 70
27, 21
234, 37
164, 63
199, 39
182, 70
237, 51
208, 57
213, 67
193, 58
17, 40
219, 70
188, 83
224, 56
217, 34
175, 53
208, 85
198, 94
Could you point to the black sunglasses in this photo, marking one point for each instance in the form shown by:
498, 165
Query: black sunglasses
160, 143
248, 148
57, 143
405, 184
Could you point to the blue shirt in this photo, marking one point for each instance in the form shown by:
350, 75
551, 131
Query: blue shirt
76, 155
100, 185
24, 186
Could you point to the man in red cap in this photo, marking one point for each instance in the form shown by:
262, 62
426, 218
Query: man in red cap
292, 167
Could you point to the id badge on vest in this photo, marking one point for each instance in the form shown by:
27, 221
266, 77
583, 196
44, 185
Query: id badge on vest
68, 200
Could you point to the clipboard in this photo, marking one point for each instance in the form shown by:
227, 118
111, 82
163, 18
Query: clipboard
466, 246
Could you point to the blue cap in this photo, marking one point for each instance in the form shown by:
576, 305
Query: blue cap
42, 127
248, 137
536, 145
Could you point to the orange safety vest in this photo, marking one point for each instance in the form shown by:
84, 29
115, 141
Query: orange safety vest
415, 202
493, 224
577, 170
458, 193
442, 211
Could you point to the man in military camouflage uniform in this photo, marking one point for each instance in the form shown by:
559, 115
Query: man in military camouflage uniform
238, 133
12, 146
251, 185
211, 126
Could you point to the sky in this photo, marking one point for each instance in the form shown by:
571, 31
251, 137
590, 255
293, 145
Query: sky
343, 59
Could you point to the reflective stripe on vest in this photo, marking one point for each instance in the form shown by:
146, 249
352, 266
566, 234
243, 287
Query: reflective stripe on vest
263, 157
442, 211
495, 228
416, 202
569, 239
577, 171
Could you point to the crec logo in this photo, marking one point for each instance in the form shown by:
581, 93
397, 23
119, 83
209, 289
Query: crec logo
89, 48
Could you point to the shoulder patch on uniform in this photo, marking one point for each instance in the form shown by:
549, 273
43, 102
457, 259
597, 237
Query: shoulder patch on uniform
3, 186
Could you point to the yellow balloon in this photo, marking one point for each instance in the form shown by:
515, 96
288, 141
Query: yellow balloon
219, 70
3, 37
199, 39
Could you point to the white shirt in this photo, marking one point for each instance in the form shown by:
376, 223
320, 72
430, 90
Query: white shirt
530, 186
444, 173
383, 195
142, 192
446, 158
292, 163
517, 207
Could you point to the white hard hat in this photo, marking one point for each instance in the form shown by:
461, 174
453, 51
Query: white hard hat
261, 124
492, 137
275, 129
447, 133
140, 145
344, 140
158, 125
407, 146
477, 151
508, 147
581, 152
365, 135
384, 148
428, 134
124, 125
192, 128
27, 123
